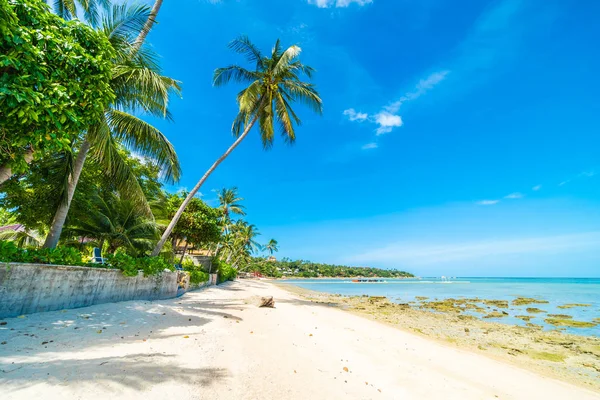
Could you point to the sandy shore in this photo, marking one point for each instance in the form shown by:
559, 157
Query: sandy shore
217, 344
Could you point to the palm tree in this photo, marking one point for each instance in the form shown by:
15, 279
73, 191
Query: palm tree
271, 247
116, 221
138, 86
242, 241
273, 85
148, 25
67, 9
229, 203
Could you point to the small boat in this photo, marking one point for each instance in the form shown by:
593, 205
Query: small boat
364, 280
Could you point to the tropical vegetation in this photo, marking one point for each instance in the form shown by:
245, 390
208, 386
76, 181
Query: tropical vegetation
82, 168
307, 269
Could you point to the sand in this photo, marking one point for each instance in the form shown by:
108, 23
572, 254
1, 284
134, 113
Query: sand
217, 344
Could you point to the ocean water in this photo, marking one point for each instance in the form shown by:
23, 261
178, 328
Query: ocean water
557, 291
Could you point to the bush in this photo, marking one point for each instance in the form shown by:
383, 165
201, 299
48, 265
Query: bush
9, 252
225, 271
197, 274
131, 265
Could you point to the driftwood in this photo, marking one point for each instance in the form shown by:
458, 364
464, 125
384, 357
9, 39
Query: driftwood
267, 302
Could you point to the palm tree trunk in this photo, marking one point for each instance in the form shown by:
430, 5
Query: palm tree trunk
63, 209
147, 26
6, 170
191, 195
183, 255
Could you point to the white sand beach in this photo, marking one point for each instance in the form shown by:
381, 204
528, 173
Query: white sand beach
217, 344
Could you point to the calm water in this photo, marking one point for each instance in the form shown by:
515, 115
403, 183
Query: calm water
557, 291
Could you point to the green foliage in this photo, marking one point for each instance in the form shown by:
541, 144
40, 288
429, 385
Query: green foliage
197, 274
199, 224
131, 265
54, 80
307, 269
225, 272
34, 198
9, 252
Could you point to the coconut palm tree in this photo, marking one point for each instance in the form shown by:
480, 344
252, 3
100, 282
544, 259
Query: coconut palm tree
148, 25
273, 85
138, 86
117, 222
229, 203
271, 247
68, 9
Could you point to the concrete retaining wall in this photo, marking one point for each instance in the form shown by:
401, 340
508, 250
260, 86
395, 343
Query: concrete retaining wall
30, 288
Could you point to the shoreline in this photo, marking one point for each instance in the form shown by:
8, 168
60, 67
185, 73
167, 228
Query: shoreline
571, 358
218, 344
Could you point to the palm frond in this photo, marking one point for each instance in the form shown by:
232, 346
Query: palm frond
146, 140
236, 73
244, 46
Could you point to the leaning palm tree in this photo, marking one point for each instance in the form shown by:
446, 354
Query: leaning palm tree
148, 25
68, 9
273, 85
138, 86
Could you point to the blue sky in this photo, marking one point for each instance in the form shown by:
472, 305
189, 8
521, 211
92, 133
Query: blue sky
456, 140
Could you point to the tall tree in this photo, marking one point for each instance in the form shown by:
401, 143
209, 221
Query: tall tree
68, 9
273, 85
271, 247
52, 85
148, 25
138, 85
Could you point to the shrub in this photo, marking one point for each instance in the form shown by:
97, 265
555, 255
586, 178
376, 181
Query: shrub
225, 271
197, 274
9, 252
131, 265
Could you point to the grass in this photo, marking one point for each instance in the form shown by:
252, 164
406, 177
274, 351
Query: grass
569, 323
543, 355
533, 310
521, 301
573, 305
496, 314
497, 303
526, 318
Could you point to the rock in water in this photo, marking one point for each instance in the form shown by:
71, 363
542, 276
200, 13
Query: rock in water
267, 302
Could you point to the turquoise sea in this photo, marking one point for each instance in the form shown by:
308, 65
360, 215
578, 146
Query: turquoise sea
558, 291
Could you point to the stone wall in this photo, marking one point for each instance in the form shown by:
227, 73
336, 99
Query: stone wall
30, 288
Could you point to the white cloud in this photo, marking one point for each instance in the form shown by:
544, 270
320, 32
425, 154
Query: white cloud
387, 122
355, 116
369, 146
338, 3
515, 195
488, 202
536, 187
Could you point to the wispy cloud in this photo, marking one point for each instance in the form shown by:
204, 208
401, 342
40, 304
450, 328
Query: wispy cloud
426, 253
369, 146
515, 195
488, 202
388, 118
338, 3
536, 188
422, 87
353, 115
583, 175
